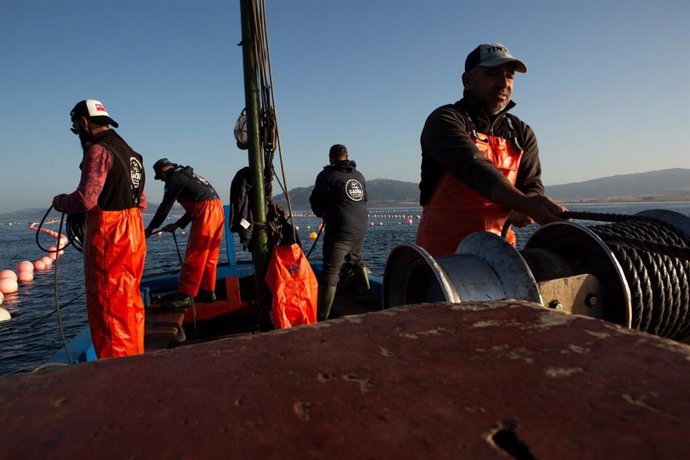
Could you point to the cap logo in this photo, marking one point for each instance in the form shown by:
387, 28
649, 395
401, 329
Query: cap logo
494, 48
96, 108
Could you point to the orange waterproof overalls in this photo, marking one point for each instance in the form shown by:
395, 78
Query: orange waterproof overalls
114, 254
201, 258
456, 210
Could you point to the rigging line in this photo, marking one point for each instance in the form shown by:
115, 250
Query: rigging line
269, 68
316, 239
69, 302
177, 247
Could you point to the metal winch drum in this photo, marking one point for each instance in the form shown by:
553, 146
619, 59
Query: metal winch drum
634, 272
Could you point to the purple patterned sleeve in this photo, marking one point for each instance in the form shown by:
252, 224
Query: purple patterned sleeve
94, 170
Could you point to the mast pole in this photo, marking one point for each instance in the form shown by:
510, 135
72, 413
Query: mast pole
255, 153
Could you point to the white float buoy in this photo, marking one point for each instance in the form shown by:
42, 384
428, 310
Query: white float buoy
8, 285
4, 315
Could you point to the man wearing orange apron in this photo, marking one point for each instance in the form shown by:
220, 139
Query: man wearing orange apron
111, 193
480, 165
205, 211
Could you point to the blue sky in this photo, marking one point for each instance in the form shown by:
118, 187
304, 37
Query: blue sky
607, 89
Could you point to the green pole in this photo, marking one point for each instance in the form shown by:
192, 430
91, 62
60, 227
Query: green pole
256, 163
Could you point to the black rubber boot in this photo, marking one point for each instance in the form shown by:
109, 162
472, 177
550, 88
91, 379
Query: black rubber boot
326, 296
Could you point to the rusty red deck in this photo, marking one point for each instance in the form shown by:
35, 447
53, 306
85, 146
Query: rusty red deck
490, 380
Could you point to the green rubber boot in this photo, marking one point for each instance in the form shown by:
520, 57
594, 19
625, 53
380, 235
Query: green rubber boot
362, 278
326, 296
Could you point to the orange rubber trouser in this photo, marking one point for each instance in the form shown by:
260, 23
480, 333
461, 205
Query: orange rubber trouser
201, 259
114, 254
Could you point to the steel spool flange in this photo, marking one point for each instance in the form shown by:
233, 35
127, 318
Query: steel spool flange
484, 267
581, 251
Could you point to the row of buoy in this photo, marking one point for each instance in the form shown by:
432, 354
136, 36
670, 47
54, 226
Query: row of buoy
9, 280
312, 235
25, 270
395, 216
383, 215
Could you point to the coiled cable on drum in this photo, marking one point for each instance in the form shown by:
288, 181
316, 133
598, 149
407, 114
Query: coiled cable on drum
655, 260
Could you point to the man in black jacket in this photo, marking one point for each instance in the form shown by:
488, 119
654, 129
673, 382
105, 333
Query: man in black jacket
340, 198
480, 165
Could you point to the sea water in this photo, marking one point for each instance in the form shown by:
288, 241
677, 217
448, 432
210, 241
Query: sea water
35, 333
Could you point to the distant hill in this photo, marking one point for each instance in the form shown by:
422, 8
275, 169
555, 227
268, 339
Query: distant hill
381, 193
664, 185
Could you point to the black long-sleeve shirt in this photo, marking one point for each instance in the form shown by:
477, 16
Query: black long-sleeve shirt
446, 146
181, 182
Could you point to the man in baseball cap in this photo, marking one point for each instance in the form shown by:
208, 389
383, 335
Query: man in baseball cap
480, 165
93, 110
111, 196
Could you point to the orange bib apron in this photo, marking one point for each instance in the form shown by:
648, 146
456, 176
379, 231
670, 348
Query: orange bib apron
456, 210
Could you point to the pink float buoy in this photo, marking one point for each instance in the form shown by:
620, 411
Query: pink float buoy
47, 261
26, 275
25, 266
8, 274
52, 253
8, 285
39, 265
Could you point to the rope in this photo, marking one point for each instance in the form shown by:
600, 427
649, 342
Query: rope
606, 217
75, 232
50, 364
656, 264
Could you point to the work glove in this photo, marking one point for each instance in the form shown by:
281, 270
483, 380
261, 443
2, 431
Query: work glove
57, 202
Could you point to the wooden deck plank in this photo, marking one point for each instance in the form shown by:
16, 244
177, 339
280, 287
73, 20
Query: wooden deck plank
162, 328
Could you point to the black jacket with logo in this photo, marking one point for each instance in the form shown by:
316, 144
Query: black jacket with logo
340, 198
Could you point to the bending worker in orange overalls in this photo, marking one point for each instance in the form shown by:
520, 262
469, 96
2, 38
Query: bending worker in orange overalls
205, 211
111, 194
480, 165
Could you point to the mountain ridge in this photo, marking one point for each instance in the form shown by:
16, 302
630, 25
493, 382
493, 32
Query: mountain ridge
662, 185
